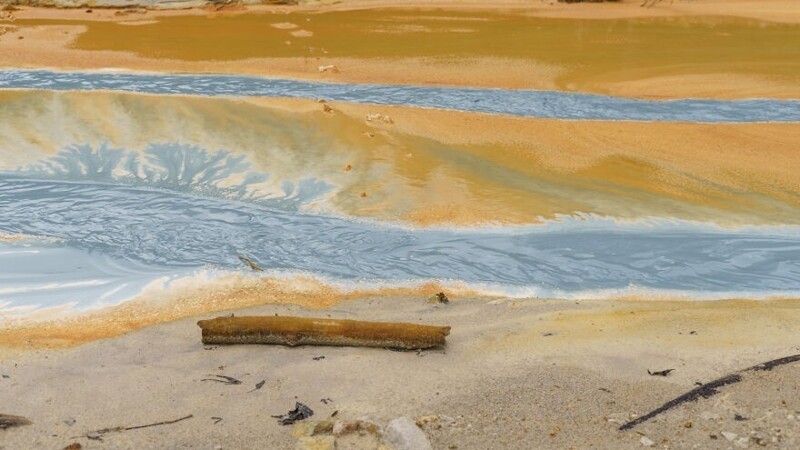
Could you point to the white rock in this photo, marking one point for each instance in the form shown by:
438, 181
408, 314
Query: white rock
646, 441
403, 434
729, 436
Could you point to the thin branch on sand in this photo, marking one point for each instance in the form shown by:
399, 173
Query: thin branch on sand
709, 389
98, 435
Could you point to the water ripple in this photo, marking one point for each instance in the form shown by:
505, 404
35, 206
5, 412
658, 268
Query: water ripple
173, 230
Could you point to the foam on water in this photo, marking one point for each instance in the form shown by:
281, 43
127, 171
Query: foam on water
544, 104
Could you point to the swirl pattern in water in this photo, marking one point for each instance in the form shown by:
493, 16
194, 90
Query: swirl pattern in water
178, 215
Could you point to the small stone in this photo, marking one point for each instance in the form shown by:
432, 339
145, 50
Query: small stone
729, 436
688, 424
331, 68
742, 442
403, 434
316, 443
379, 118
70, 421
646, 441
433, 421
74, 446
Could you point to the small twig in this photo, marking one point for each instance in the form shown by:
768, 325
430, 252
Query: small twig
166, 422
259, 385
98, 435
225, 379
250, 263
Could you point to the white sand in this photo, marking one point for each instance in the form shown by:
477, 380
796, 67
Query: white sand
507, 381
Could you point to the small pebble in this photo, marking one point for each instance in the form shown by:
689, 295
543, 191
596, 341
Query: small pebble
646, 441
729, 436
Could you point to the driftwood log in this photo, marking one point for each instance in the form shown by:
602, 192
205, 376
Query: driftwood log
304, 331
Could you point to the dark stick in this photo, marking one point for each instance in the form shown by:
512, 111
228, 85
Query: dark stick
98, 435
168, 422
709, 389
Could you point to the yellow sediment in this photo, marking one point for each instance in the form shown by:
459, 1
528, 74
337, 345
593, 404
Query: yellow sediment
432, 167
502, 47
636, 323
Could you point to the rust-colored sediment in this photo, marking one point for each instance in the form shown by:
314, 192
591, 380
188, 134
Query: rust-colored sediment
233, 292
665, 52
433, 167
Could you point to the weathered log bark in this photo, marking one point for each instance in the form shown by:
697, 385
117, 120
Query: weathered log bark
304, 331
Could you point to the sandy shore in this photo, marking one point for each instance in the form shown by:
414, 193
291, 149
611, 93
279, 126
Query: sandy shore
515, 374
441, 44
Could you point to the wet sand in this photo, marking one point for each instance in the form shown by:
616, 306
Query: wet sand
505, 47
442, 168
515, 374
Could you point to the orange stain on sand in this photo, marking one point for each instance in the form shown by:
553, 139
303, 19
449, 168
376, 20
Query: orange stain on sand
192, 299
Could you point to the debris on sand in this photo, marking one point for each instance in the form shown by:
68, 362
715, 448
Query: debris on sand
223, 379
438, 298
98, 435
293, 331
379, 118
326, 108
660, 373
328, 68
259, 385
300, 412
361, 426
9, 421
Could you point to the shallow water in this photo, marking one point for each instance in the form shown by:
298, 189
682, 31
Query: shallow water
543, 104
168, 231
